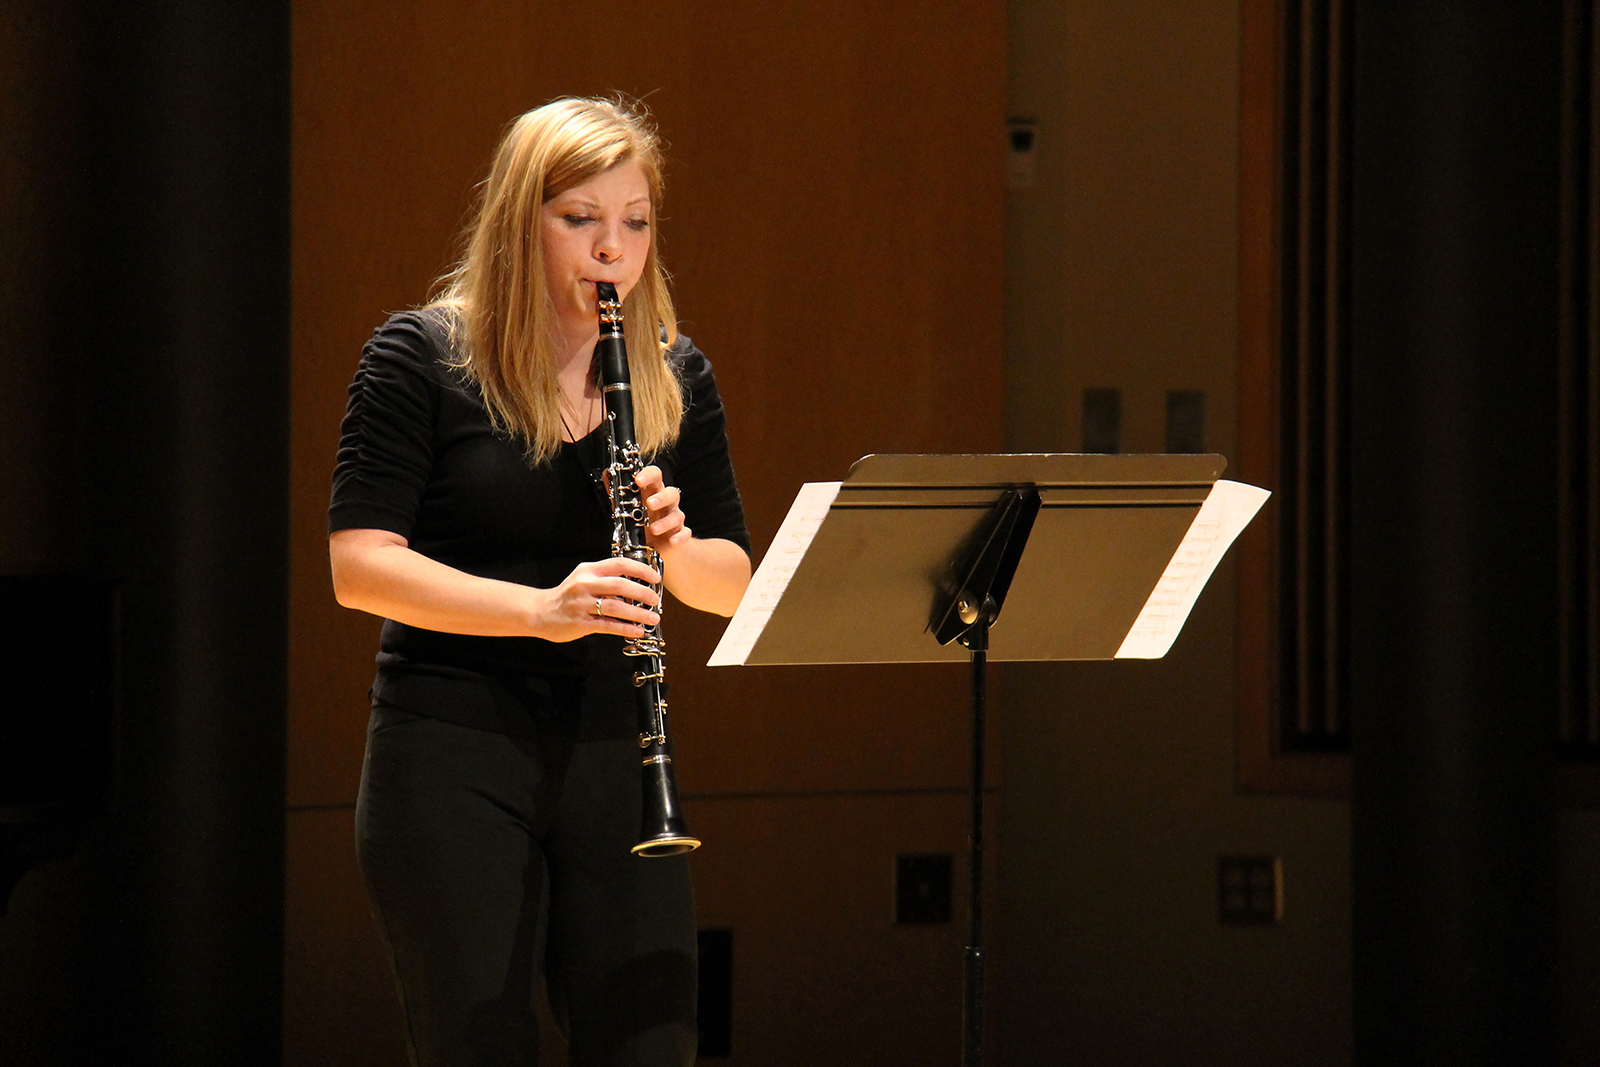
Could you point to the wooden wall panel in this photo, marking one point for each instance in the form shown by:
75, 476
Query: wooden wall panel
821, 972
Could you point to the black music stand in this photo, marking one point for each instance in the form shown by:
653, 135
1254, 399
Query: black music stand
912, 558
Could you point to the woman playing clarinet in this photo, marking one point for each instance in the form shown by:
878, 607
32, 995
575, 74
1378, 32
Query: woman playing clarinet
500, 795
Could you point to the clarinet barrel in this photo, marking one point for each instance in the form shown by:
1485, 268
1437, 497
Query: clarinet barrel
662, 830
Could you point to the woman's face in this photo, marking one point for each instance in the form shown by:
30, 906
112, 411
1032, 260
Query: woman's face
596, 232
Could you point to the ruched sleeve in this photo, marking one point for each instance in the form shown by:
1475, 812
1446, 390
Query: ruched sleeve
386, 441
704, 468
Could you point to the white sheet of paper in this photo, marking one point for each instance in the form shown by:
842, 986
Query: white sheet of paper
1227, 511
766, 588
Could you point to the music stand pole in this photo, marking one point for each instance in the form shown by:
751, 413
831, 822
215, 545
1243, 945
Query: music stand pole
977, 641
980, 576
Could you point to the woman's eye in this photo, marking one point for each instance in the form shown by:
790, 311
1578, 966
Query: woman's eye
576, 220
638, 224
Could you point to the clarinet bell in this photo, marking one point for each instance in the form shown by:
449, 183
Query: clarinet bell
662, 831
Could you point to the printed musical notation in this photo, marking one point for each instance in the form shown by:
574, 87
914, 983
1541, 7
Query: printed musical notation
799, 527
1227, 510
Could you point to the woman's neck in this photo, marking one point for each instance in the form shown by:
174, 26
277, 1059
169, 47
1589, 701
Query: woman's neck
574, 354
574, 345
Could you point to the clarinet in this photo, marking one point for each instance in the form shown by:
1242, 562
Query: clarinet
662, 831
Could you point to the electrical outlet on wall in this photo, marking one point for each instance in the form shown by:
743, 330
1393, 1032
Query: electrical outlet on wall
1022, 143
1102, 420
1249, 890
922, 888
1186, 420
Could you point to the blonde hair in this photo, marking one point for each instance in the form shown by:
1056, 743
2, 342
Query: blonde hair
502, 316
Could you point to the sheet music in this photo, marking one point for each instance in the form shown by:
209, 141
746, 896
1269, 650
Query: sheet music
805, 516
1227, 510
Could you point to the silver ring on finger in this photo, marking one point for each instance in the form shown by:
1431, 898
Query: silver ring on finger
599, 607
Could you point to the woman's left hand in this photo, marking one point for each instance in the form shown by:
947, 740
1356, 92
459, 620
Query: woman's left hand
668, 528
710, 574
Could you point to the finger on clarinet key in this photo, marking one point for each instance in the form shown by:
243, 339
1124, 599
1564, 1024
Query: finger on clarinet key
635, 571
632, 615
634, 593
628, 591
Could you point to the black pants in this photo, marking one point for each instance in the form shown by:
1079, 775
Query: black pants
488, 858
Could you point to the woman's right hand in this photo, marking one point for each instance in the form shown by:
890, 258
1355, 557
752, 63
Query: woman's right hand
604, 597
377, 571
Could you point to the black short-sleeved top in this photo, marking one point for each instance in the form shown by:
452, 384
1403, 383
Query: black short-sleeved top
418, 457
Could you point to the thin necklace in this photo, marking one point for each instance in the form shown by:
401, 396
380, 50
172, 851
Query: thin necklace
588, 414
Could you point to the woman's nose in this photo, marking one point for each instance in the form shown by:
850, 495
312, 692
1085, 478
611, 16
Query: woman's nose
608, 249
